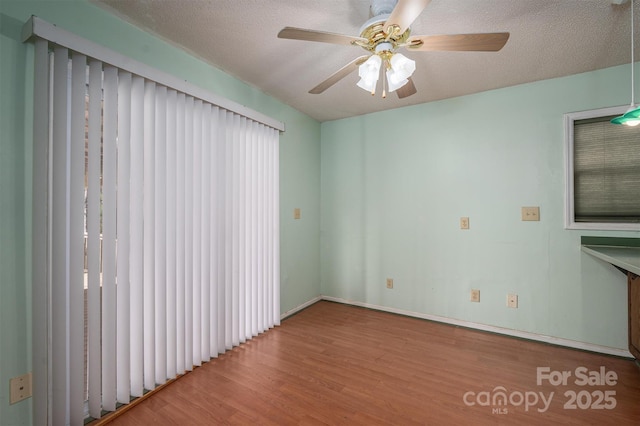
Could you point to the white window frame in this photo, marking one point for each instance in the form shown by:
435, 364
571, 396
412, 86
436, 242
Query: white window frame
569, 210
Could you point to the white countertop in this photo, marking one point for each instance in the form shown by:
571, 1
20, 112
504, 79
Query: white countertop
627, 258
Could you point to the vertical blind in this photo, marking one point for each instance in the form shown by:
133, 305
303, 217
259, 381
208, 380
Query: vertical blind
162, 241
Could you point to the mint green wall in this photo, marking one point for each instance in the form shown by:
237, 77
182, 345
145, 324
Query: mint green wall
299, 167
395, 184
15, 309
392, 195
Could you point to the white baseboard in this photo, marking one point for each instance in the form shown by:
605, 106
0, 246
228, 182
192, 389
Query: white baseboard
490, 328
300, 307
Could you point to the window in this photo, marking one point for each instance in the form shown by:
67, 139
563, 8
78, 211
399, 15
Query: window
602, 171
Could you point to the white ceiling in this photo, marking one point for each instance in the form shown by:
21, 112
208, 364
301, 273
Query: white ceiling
549, 38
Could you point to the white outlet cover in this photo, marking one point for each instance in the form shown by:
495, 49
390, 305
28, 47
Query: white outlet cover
20, 388
464, 223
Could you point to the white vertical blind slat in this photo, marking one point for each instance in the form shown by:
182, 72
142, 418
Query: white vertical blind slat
213, 230
137, 242
269, 231
270, 218
206, 194
262, 218
251, 242
275, 200
77, 386
188, 243
272, 238
59, 248
242, 232
93, 231
123, 250
171, 229
235, 233
180, 234
254, 234
196, 162
160, 286
275, 230
228, 229
221, 241
269, 234
149, 221
265, 232
254, 179
264, 285
109, 194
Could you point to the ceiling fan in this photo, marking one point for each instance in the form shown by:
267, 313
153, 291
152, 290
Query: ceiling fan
382, 36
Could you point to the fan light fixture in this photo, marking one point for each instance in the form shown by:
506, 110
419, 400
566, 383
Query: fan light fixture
382, 35
632, 116
398, 69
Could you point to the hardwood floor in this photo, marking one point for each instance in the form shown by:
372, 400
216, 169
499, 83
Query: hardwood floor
336, 364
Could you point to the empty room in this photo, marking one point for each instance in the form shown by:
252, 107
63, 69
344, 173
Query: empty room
338, 212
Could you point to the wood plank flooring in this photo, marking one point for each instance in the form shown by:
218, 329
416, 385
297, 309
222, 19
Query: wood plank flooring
334, 364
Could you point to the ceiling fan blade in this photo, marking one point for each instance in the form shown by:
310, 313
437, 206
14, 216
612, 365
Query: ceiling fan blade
407, 90
405, 12
338, 75
321, 36
484, 42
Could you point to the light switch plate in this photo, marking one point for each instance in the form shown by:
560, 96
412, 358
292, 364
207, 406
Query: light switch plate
296, 213
531, 214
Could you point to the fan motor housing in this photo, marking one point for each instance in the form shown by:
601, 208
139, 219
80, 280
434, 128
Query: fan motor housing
374, 31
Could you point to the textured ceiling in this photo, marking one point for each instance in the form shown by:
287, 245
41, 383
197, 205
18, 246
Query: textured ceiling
549, 38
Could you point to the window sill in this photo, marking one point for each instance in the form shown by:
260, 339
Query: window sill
596, 226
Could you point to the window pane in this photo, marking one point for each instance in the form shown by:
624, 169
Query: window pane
606, 171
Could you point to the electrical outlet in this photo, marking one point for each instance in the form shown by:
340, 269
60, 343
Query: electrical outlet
531, 214
20, 388
512, 300
464, 223
296, 213
475, 295
389, 282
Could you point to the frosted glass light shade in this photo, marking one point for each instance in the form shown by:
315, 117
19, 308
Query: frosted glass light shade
402, 67
369, 86
369, 72
393, 83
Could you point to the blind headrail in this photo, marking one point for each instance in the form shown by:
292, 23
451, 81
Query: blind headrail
36, 27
